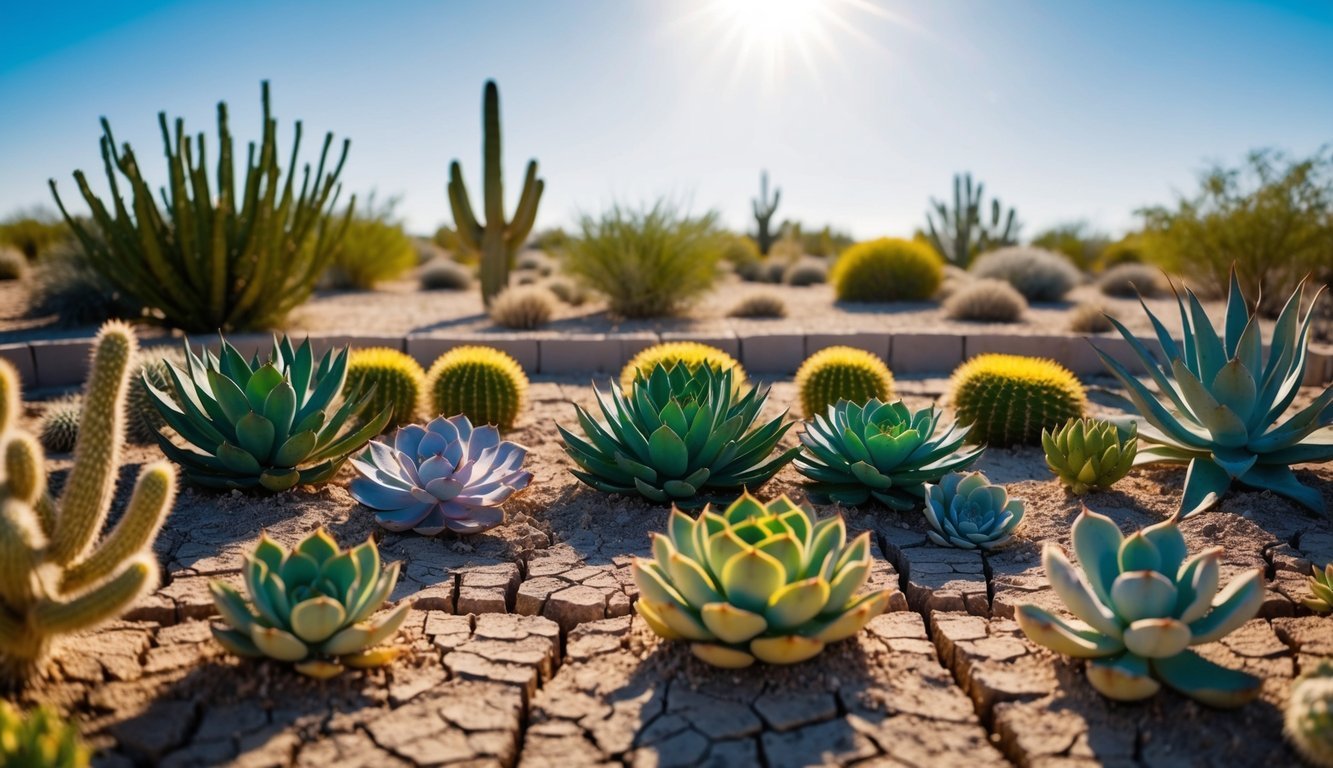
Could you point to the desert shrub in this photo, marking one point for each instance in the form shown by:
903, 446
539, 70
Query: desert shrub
787, 250
13, 265
648, 262
827, 242
742, 254
65, 285
535, 261
523, 306
569, 291
752, 272
1076, 241
445, 276
1089, 317
525, 277
551, 240
1130, 280
806, 271
1130, 249
33, 233
374, 248
986, 301
888, 269
954, 280
428, 251
758, 305
1038, 274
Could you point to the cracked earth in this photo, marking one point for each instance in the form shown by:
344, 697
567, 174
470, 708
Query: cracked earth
523, 648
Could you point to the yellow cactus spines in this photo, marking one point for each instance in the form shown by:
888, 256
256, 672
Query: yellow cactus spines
55, 575
1308, 724
399, 382
39, 739
483, 383
690, 353
842, 373
1010, 399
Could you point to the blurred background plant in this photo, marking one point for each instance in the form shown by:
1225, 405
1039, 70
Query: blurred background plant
959, 233
375, 248
1077, 241
33, 232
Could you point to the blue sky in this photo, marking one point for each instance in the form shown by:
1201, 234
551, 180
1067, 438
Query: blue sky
860, 110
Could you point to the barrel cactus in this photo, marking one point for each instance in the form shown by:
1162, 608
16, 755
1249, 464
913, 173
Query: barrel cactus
678, 433
1309, 719
313, 606
968, 512
1141, 602
1010, 399
1321, 589
392, 379
484, 383
759, 581
842, 373
1218, 400
142, 420
1089, 453
266, 425
883, 450
39, 739
691, 353
445, 475
59, 428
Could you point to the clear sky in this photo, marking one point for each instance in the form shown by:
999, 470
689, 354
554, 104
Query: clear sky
861, 110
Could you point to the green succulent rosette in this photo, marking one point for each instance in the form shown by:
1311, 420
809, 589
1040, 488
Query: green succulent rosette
1089, 453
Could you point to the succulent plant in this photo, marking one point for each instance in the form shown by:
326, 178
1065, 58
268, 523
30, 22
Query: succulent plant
313, 606
1089, 453
1321, 589
887, 269
963, 231
691, 353
443, 475
677, 434
841, 373
1308, 724
759, 581
59, 428
882, 450
483, 383
142, 420
1010, 399
39, 739
397, 380
269, 425
1141, 601
1218, 401
59, 573
969, 512
764, 208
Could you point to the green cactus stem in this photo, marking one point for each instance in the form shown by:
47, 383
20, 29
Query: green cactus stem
764, 208
962, 232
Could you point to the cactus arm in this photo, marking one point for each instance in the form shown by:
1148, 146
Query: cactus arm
25, 473
153, 496
92, 481
21, 543
465, 221
100, 604
493, 179
526, 212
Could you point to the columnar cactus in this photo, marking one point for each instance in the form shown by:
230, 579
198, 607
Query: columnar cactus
56, 575
962, 232
764, 208
497, 240
1089, 453
1309, 719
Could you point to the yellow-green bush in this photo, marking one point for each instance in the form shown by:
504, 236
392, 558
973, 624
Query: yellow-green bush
690, 353
397, 378
887, 269
483, 383
375, 248
1010, 399
39, 739
842, 373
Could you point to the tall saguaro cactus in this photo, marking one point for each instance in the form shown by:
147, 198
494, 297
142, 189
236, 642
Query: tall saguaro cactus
56, 575
495, 239
962, 232
764, 208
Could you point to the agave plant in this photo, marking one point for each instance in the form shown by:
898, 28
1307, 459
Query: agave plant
1321, 589
1089, 453
967, 511
882, 450
445, 475
1142, 602
678, 432
1219, 399
759, 581
268, 424
312, 606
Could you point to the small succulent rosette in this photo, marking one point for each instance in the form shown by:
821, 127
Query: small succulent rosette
969, 512
446, 475
1321, 589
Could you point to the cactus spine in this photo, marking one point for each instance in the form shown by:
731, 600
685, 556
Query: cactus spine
764, 208
496, 240
55, 576
962, 233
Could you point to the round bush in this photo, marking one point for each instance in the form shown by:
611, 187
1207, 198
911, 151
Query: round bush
13, 265
1128, 281
1089, 318
1038, 274
59, 428
842, 373
692, 354
806, 271
398, 380
523, 307
445, 276
758, 305
1010, 399
741, 252
484, 383
888, 269
985, 301
569, 291
536, 261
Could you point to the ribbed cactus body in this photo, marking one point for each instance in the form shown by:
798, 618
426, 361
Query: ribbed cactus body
842, 373
764, 208
142, 421
1309, 719
483, 383
691, 354
54, 578
1010, 399
398, 380
59, 429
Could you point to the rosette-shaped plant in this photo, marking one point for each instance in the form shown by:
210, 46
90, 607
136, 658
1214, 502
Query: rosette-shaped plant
759, 581
678, 433
1218, 401
267, 425
882, 450
1321, 590
967, 511
1141, 602
445, 475
311, 606
1089, 453
691, 354
39, 739
1309, 718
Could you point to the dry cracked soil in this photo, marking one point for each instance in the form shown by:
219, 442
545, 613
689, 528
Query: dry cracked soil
523, 648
